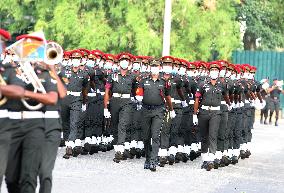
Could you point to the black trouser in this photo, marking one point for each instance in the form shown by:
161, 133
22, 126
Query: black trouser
165, 131
51, 144
95, 118
25, 155
274, 106
5, 140
246, 132
137, 130
231, 129
176, 133
209, 124
238, 128
223, 130
152, 122
190, 133
72, 115
121, 116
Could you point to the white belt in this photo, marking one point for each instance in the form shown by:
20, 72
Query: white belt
210, 108
73, 93
247, 102
223, 102
92, 94
26, 115
117, 95
102, 93
191, 102
176, 101
51, 114
4, 113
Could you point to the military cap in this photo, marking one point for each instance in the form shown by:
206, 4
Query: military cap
124, 55
76, 54
191, 65
109, 57
155, 62
27, 36
167, 59
214, 64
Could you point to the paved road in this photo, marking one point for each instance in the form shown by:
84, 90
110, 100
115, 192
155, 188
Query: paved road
263, 172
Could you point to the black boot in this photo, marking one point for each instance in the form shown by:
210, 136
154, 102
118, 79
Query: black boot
235, 160
242, 154
147, 165
163, 161
276, 123
216, 163
152, 167
179, 157
68, 153
62, 143
118, 157
127, 155
94, 149
207, 165
132, 152
171, 159
192, 155
185, 157
248, 153
77, 151
138, 153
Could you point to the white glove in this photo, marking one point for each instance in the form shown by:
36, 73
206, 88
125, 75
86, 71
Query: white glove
84, 107
195, 120
184, 104
172, 114
230, 107
132, 99
139, 106
107, 113
139, 98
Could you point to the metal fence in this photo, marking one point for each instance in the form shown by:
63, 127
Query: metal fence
269, 64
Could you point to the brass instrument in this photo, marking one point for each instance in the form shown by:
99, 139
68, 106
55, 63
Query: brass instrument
3, 100
54, 53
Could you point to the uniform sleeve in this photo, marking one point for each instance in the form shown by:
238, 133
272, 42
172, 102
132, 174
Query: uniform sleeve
199, 90
168, 89
179, 84
50, 84
141, 83
109, 82
225, 89
85, 80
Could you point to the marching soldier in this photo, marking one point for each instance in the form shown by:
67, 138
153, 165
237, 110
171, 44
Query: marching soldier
52, 135
119, 90
73, 105
210, 94
265, 95
156, 92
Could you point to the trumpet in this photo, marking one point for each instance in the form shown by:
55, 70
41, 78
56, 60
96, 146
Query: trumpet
3, 100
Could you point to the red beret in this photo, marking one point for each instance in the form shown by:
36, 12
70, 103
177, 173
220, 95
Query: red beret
5, 34
214, 64
246, 67
124, 55
109, 57
76, 54
167, 59
85, 51
97, 53
191, 65
183, 62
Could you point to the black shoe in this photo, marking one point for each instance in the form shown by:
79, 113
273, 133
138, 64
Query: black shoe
84, 151
109, 146
163, 161
102, 147
68, 153
87, 147
77, 151
265, 123
235, 160
138, 153
242, 154
207, 165
276, 123
147, 165
248, 153
152, 167
127, 155
118, 157
216, 163
94, 149
225, 160
192, 155
62, 143
179, 157
171, 159
132, 152
185, 157
222, 162
198, 153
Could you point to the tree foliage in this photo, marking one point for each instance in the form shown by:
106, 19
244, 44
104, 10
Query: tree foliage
199, 27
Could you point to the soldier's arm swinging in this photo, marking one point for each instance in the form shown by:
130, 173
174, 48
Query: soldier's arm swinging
106, 97
169, 102
12, 91
49, 98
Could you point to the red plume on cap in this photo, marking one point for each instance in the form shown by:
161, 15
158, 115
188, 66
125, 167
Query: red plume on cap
85, 51
215, 64
184, 62
109, 57
97, 53
5, 34
28, 36
191, 65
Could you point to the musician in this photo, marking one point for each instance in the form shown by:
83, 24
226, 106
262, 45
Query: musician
28, 126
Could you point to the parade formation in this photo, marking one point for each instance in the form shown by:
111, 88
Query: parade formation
165, 110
